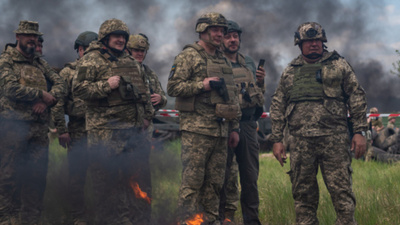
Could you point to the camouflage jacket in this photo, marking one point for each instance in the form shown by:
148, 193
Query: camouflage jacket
74, 107
17, 99
155, 86
90, 84
342, 94
186, 80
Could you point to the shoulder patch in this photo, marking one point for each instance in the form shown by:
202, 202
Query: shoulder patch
81, 73
171, 74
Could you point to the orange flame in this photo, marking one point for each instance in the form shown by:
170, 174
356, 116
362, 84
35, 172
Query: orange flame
227, 220
197, 220
138, 192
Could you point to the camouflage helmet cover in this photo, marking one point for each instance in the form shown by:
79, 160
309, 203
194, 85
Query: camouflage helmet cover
233, 27
309, 31
138, 41
28, 27
113, 26
85, 38
210, 19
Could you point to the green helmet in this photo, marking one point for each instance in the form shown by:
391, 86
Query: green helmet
309, 31
113, 26
40, 38
138, 41
209, 20
233, 27
85, 38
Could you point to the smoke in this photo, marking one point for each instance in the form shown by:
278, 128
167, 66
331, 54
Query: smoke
268, 32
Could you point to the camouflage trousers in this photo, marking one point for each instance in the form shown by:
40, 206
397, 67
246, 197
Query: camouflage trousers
119, 170
23, 170
203, 161
77, 168
247, 156
332, 155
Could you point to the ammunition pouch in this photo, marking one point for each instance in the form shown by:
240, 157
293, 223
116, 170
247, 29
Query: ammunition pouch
226, 111
128, 90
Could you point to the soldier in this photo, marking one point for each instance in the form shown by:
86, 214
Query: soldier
39, 45
375, 122
314, 94
118, 112
73, 136
138, 45
392, 123
250, 84
24, 117
205, 118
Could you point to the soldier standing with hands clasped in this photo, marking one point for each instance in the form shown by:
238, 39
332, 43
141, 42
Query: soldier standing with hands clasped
24, 117
118, 113
314, 94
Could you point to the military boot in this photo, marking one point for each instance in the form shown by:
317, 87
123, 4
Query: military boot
229, 218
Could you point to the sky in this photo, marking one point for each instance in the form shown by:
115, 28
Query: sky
364, 32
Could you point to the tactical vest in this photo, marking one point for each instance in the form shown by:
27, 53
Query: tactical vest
249, 94
132, 88
32, 76
216, 67
307, 84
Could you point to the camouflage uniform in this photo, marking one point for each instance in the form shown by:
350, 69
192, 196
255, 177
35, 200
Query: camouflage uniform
114, 122
77, 153
317, 121
204, 134
23, 138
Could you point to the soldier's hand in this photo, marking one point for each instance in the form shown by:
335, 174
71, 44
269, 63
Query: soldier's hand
155, 99
64, 139
146, 124
48, 99
260, 75
206, 82
233, 139
358, 145
279, 152
114, 81
39, 107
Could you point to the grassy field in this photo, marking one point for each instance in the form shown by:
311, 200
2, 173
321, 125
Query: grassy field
376, 186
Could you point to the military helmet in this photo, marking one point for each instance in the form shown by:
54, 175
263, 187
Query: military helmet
85, 38
138, 41
234, 27
309, 31
113, 26
209, 20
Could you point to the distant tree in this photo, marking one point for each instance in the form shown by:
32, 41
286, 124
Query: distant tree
396, 66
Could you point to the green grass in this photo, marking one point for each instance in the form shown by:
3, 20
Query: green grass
376, 186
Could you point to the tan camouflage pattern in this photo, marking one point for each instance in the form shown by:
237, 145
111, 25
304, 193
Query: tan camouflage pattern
186, 80
203, 161
137, 41
18, 96
215, 19
155, 85
28, 27
303, 28
110, 26
91, 85
311, 118
74, 107
332, 155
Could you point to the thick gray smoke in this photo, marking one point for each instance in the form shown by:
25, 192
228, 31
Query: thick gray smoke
268, 32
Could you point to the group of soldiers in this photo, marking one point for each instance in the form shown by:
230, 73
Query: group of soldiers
383, 143
111, 96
